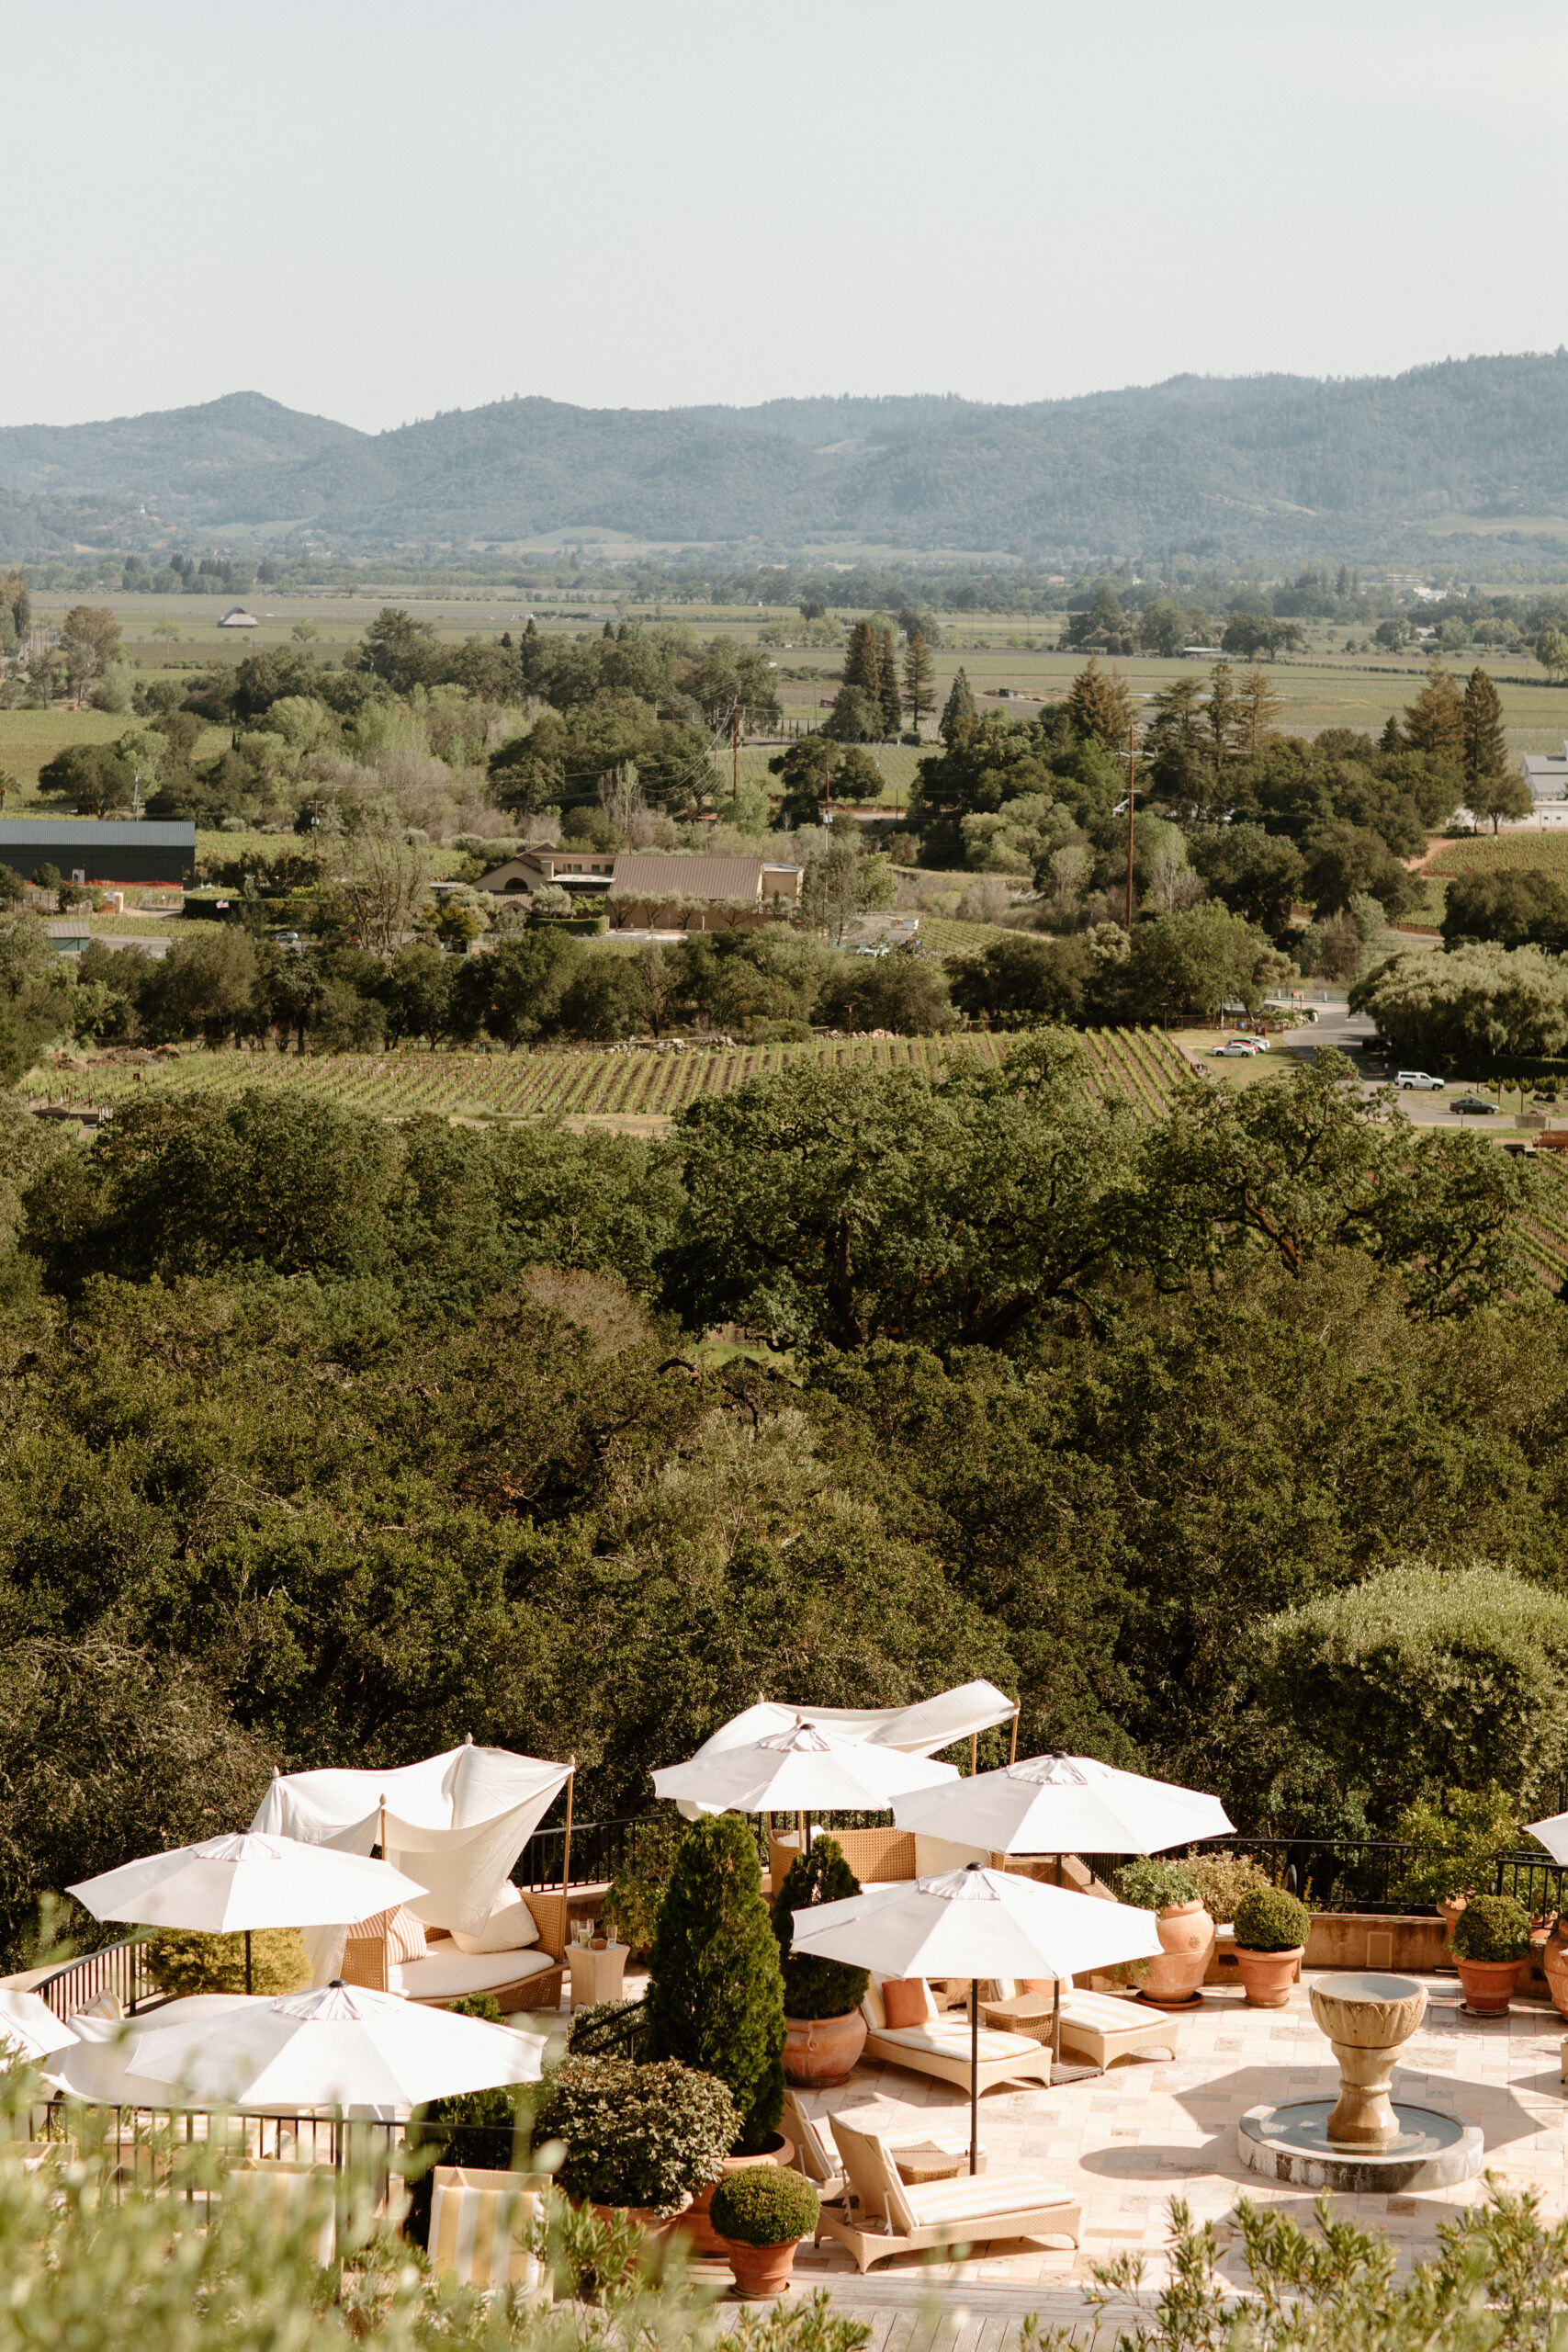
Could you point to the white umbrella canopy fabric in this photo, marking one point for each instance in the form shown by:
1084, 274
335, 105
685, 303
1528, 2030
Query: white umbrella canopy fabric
244, 1882
1553, 1835
1064, 1804
28, 2027
803, 1768
975, 1923
339, 2046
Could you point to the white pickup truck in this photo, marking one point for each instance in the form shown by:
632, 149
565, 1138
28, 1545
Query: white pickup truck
1419, 1080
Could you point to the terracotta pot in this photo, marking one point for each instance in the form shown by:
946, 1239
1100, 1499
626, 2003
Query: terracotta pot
1488, 1984
1267, 1976
1188, 1934
1449, 1908
654, 2226
820, 2052
761, 2272
694, 2224
1554, 1962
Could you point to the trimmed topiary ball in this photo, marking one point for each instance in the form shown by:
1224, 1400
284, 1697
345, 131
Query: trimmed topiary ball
1491, 1926
1268, 1919
763, 2206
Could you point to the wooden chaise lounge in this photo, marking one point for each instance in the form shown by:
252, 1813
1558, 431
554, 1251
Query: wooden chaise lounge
940, 2048
887, 2217
1099, 2028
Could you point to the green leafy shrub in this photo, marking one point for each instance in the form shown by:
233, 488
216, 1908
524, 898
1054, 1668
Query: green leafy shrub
1462, 1832
764, 2206
1491, 1926
1268, 1919
636, 2135
630, 1910
1422, 1677
1222, 1879
1154, 1886
183, 1962
716, 1994
816, 1988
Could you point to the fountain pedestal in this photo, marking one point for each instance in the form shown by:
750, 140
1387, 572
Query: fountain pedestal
1362, 2139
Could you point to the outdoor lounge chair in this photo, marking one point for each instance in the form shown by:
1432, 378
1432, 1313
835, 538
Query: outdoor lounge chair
481, 2227
815, 2158
528, 1979
1099, 2027
940, 2048
288, 2195
888, 2218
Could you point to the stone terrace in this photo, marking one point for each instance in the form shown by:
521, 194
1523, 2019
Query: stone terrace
1129, 2140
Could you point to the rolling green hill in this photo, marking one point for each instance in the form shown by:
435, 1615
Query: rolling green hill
1282, 467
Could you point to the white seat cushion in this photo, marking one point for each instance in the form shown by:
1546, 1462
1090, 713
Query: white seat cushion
991, 2194
954, 2043
446, 1974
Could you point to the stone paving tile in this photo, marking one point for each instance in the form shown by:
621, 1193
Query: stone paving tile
1127, 2142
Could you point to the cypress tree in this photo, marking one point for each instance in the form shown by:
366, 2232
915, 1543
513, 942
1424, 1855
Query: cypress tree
1485, 746
919, 679
863, 660
816, 1988
959, 718
715, 1999
1393, 736
891, 699
1100, 708
1434, 722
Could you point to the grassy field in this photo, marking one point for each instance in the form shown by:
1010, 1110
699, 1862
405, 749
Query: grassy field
1505, 853
592, 1083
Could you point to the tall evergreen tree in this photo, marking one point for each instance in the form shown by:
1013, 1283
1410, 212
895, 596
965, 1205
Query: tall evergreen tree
959, 717
1100, 706
1257, 707
1485, 746
888, 694
919, 679
715, 1994
1434, 722
1393, 736
863, 660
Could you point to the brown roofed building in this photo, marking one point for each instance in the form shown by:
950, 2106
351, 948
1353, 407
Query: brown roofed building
649, 873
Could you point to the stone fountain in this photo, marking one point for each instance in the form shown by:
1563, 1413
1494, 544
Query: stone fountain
1365, 2139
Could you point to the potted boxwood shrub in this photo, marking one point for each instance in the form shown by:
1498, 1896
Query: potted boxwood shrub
1490, 1940
716, 1992
1186, 1931
760, 2217
824, 2030
642, 2138
1271, 1930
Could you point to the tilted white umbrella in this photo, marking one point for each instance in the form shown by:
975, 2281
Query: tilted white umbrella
1064, 1804
802, 1769
1553, 1835
244, 1882
975, 1923
338, 2046
28, 2027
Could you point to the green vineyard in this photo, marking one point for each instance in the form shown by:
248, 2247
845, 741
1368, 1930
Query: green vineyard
591, 1082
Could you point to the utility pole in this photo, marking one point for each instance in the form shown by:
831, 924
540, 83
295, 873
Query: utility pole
735, 749
1131, 739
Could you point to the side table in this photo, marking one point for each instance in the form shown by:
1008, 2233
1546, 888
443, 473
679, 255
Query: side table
595, 1975
1027, 2013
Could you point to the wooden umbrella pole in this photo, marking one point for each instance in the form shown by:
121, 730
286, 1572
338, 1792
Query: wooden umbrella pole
1012, 1751
566, 1849
973, 1753
247, 1960
1055, 2024
973, 2076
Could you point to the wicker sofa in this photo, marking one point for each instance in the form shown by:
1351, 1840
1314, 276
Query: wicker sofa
528, 1979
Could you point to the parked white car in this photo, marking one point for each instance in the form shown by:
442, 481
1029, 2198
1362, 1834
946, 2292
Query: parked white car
1419, 1080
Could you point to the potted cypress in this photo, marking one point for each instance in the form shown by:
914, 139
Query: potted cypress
760, 2217
1272, 1928
1185, 1929
1489, 1942
716, 1992
824, 2030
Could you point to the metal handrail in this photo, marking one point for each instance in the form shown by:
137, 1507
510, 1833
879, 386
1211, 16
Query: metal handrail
115, 1968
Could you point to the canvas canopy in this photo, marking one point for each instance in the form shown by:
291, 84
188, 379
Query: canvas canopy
919, 1730
456, 1822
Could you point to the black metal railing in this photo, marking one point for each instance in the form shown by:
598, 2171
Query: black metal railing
120, 1968
147, 2146
598, 1848
1375, 1874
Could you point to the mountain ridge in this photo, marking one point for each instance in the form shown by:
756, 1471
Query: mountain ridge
1275, 465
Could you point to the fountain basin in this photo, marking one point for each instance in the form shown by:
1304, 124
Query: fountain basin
1430, 2149
1368, 2018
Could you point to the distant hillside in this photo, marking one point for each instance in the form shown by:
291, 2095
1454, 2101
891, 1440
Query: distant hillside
1281, 466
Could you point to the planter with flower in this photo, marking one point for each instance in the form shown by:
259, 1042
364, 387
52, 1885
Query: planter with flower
824, 2030
760, 2217
1271, 1930
1490, 1940
1184, 1925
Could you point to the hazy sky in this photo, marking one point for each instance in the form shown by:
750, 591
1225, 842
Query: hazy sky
376, 209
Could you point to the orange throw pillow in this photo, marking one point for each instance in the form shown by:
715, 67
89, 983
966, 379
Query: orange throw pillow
907, 2001
1036, 1984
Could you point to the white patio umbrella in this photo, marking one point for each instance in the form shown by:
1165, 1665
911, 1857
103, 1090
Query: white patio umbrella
1553, 1835
802, 1769
28, 2027
338, 2046
1064, 1804
245, 1881
975, 1923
